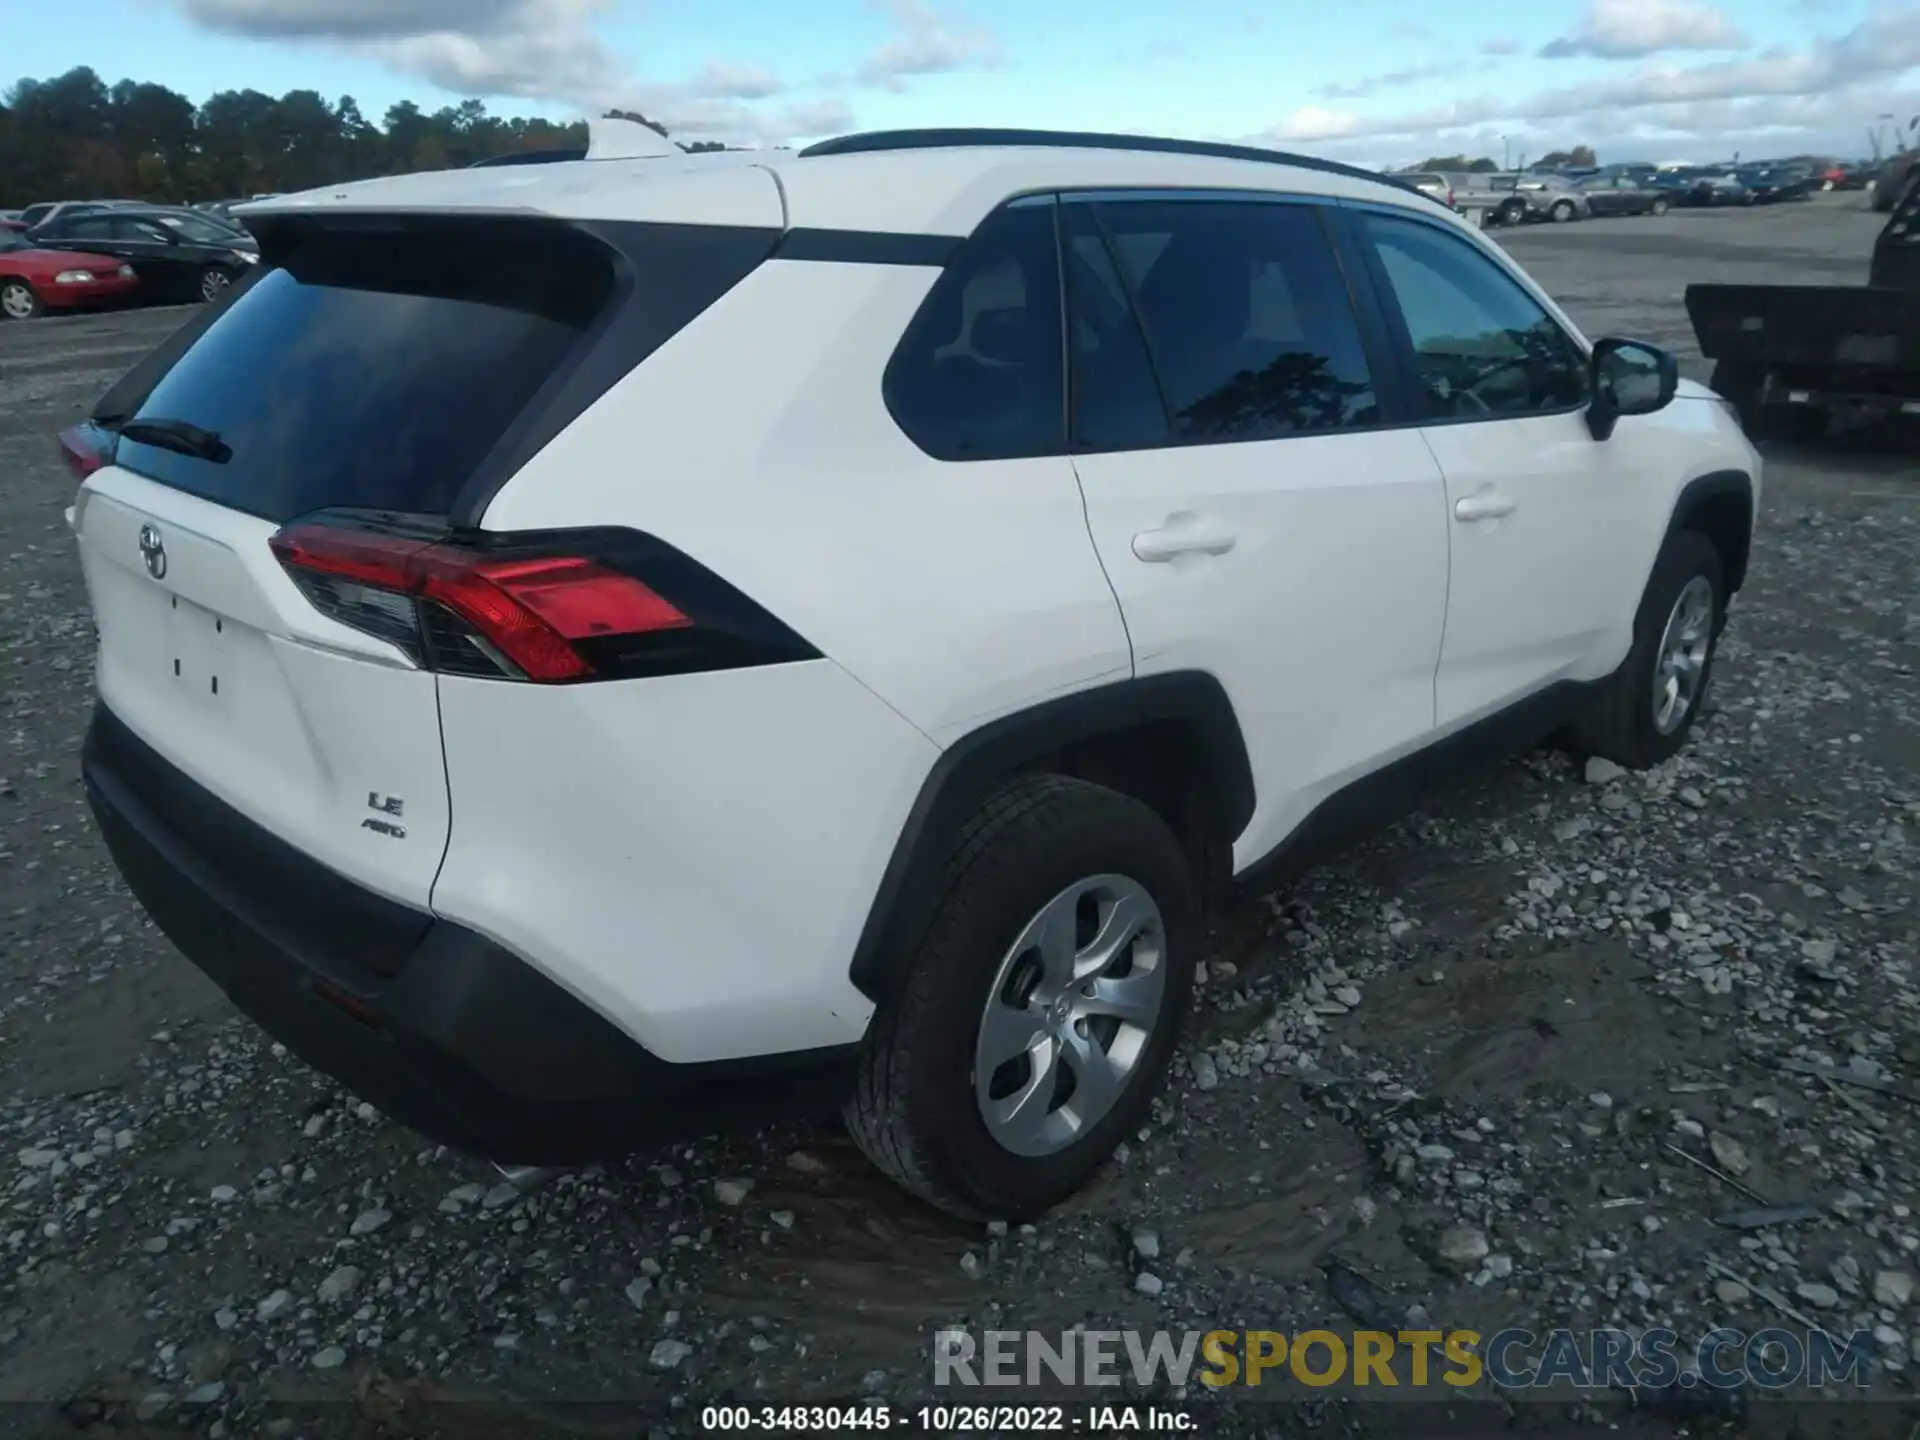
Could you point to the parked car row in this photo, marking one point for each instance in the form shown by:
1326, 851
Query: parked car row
65, 254
34, 279
1517, 198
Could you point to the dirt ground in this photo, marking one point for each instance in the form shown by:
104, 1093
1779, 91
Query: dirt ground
1444, 1080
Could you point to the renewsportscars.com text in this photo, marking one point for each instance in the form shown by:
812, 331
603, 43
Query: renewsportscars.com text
1513, 1359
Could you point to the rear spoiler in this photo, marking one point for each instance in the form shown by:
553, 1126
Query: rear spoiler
608, 138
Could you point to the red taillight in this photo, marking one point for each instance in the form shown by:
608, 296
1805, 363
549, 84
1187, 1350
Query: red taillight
529, 609
86, 448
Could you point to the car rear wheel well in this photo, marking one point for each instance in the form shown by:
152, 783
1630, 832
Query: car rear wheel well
1170, 741
1165, 765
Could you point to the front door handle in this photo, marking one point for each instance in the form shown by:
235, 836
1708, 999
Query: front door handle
1181, 535
1487, 505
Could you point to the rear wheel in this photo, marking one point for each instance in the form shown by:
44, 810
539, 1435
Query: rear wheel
1040, 1006
17, 300
213, 283
1643, 712
1562, 211
1514, 212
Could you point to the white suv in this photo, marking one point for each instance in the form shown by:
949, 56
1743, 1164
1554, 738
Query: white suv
592, 650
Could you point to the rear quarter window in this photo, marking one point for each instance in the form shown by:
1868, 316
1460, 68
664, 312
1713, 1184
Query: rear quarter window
978, 374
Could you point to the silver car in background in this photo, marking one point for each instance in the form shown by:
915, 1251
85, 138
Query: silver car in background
1430, 182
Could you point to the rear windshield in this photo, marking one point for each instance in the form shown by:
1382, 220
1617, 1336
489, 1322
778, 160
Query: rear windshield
375, 368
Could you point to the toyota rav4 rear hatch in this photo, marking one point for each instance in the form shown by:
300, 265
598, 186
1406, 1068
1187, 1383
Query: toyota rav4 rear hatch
371, 368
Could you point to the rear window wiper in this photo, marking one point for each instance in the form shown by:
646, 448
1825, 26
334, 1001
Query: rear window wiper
182, 437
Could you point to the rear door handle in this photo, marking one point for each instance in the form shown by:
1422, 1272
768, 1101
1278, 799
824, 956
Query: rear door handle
1487, 505
1182, 535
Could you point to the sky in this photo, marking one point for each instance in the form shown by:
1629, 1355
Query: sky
1373, 81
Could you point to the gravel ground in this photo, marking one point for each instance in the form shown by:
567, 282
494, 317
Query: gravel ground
1475, 1062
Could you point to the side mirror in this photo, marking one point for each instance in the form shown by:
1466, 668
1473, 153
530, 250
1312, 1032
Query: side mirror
1628, 377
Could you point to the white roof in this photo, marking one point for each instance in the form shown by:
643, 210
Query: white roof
945, 191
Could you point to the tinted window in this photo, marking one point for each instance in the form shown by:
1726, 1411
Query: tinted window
1483, 346
1116, 398
376, 369
978, 374
83, 228
1247, 316
205, 232
127, 228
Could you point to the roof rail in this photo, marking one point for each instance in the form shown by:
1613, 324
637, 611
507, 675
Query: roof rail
880, 141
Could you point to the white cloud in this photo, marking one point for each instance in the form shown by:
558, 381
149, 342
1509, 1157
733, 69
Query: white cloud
541, 50
1635, 29
928, 42
1392, 80
738, 82
535, 49
1876, 53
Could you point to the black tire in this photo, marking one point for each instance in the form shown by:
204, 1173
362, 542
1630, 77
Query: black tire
1562, 211
1514, 212
18, 300
914, 1110
1619, 725
212, 284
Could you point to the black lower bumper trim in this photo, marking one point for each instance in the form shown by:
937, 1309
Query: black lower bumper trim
451, 1033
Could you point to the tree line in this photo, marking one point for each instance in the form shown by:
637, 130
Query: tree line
74, 137
1580, 157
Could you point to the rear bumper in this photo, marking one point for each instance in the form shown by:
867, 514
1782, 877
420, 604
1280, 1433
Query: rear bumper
446, 1031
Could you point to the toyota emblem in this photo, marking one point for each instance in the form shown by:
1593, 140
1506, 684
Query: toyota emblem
153, 551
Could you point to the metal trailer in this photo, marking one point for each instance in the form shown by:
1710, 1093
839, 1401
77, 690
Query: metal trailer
1790, 357
1794, 356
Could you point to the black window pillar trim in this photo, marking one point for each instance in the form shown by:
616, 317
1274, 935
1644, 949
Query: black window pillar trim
1130, 290
1388, 347
968, 770
638, 319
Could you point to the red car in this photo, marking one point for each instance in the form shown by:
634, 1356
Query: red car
34, 281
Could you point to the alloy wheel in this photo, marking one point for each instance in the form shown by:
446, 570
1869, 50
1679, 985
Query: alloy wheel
1685, 647
16, 301
1075, 1000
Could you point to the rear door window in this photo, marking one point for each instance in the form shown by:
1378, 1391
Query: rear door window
375, 369
125, 227
1247, 317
